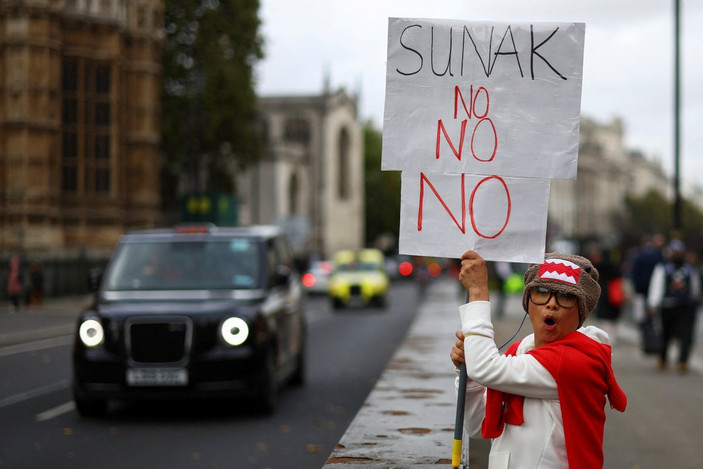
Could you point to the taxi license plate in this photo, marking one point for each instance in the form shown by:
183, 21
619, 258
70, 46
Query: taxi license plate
157, 377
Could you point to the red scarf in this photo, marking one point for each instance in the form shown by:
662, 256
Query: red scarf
582, 370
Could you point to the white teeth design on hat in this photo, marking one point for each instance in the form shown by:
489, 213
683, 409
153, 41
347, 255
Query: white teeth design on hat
559, 276
563, 262
560, 270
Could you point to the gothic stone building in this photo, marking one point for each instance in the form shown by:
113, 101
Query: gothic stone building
311, 180
79, 122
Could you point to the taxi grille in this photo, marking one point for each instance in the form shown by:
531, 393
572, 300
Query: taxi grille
158, 342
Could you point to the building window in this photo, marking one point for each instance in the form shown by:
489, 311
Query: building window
86, 119
297, 130
343, 167
70, 75
293, 190
141, 17
69, 153
69, 161
70, 111
102, 79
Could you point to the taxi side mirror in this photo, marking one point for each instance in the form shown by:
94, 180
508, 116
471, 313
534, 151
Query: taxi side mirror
282, 275
95, 277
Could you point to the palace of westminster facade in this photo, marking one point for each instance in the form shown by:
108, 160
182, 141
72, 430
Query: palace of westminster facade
79, 121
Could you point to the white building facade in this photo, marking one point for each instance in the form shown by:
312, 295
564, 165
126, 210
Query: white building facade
593, 206
311, 179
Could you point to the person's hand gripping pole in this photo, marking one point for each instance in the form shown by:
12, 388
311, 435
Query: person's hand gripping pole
459, 422
474, 277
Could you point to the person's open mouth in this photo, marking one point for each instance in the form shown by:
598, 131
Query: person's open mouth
550, 323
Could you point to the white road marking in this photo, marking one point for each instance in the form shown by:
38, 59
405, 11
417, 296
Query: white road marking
36, 334
36, 392
36, 345
55, 412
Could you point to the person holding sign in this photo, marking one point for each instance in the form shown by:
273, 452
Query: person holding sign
543, 402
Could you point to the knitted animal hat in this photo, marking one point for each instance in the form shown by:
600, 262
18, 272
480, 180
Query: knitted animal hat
566, 273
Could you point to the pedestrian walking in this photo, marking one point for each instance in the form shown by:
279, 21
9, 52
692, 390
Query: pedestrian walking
36, 285
647, 257
674, 295
14, 283
543, 403
612, 297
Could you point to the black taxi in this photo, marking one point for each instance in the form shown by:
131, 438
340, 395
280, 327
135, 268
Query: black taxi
192, 312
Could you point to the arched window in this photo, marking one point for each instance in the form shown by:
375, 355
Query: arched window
344, 165
86, 123
293, 194
297, 130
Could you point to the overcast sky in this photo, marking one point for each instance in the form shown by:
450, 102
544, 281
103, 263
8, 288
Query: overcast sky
628, 58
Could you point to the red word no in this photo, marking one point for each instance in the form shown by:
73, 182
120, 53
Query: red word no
470, 113
472, 212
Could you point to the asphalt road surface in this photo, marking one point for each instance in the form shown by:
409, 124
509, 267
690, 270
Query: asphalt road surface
347, 351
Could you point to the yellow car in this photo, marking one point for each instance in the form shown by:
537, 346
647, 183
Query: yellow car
358, 278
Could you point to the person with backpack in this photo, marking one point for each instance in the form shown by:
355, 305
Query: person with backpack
674, 294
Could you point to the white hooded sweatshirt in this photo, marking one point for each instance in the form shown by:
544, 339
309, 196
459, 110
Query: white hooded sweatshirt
539, 442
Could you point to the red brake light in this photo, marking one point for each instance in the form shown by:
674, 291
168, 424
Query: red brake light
434, 269
405, 268
308, 280
326, 268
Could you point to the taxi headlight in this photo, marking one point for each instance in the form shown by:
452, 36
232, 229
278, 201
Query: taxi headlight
91, 333
234, 331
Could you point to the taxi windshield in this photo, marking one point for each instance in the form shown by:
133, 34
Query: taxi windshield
185, 265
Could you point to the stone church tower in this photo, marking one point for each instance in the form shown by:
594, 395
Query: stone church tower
79, 122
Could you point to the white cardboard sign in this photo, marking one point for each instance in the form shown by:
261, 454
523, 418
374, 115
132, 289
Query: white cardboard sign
479, 117
483, 97
503, 218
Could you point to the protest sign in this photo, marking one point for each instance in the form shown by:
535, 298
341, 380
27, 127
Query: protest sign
503, 218
479, 117
483, 97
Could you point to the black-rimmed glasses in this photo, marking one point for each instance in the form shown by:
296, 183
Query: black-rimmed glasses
542, 295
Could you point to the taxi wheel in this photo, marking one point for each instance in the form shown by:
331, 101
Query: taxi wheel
298, 376
267, 398
337, 303
90, 407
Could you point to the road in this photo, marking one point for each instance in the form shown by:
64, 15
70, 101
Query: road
347, 350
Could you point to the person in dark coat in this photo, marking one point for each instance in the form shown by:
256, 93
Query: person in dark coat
610, 302
36, 285
642, 266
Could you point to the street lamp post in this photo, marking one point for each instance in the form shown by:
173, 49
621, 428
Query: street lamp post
677, 118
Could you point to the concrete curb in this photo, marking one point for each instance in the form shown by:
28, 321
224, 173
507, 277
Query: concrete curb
408, 418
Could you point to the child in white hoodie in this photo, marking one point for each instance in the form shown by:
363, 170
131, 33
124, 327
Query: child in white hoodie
543, 402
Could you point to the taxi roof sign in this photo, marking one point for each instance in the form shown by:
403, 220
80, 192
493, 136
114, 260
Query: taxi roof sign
195, 228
